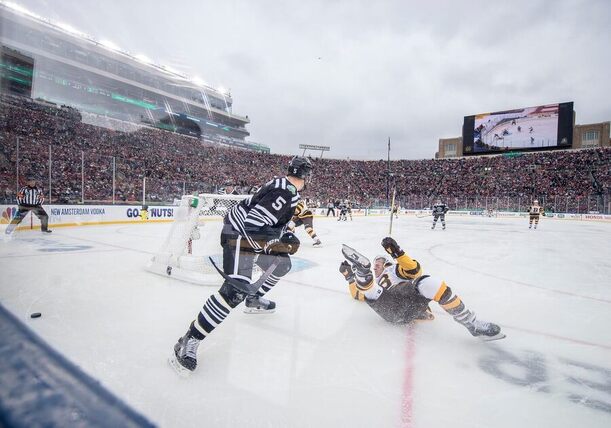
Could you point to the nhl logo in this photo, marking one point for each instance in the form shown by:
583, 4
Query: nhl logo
169, 270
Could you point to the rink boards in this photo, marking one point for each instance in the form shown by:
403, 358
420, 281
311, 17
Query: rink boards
88, 215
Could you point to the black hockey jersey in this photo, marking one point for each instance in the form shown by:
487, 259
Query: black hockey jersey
263, 216
400, 304
439, 209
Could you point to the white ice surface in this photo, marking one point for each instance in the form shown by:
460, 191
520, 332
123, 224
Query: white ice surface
324, 359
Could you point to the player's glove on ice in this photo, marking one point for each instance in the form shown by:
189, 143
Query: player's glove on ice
346, 270
392, 248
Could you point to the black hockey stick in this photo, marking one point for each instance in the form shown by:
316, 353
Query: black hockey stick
249, 289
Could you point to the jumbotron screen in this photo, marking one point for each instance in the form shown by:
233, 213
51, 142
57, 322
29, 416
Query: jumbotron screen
532, 128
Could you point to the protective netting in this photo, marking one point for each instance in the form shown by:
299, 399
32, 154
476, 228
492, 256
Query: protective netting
193, 237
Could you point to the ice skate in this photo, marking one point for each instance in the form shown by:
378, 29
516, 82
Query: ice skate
258, 305
317, 243
361, 262
486, 331
184, 358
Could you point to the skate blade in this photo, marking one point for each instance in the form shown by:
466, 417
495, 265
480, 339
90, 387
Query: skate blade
179, 369
354, 256
259, 311
498, 336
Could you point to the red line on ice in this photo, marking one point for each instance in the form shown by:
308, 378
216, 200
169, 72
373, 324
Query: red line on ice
407, 402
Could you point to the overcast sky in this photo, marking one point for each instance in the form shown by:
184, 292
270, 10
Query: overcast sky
351, 74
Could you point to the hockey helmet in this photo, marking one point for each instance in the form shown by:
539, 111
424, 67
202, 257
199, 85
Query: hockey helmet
300, 167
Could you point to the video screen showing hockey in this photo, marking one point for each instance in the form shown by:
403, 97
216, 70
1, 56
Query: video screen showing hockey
267, 215
531, 128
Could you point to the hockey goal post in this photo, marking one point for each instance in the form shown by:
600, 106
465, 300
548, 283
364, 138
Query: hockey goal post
193, 237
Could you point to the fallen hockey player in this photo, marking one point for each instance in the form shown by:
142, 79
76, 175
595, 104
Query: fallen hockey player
399, 292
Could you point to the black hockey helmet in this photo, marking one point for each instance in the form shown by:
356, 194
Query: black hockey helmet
300, 167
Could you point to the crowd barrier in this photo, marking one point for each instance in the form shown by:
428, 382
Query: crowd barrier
85, 215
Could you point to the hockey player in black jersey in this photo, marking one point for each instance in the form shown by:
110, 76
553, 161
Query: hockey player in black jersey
254, 231
399, 292
439, 213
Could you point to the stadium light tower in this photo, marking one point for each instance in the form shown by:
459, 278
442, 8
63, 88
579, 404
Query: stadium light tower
310, 147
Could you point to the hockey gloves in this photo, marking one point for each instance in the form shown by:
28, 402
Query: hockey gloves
287, 244
392, 248
346, 270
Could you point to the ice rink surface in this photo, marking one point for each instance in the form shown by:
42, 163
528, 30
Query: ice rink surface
323, 359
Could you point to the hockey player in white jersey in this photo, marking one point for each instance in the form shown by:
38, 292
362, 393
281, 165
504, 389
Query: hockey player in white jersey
534, 213
399, 292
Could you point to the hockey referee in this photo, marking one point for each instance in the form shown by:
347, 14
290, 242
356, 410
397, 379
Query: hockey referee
30, 198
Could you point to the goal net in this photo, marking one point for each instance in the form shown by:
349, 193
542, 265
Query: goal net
193, 237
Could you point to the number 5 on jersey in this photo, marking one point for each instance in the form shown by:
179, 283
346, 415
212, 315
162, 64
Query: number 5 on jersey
280, 201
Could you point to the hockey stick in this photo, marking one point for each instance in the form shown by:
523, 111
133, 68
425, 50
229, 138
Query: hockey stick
392, 207
249, 289
422, 215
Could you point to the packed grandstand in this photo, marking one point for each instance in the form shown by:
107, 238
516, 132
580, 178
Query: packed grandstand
77, 160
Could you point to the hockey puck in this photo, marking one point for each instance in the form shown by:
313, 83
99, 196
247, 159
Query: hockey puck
35, 315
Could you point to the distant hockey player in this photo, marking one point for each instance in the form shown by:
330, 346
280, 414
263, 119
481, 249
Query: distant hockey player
343, 211
399, 292
534, 213
304, 217
349, 208
439, 213
395, 210
253, 232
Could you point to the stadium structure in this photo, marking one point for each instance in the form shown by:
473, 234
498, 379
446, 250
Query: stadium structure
109, 86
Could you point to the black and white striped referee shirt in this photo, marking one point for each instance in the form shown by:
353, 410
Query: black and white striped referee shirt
271, 207
30, 196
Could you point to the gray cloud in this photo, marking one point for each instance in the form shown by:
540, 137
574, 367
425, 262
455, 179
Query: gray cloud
350, 74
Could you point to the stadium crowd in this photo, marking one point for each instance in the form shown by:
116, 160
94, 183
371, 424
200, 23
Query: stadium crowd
77, 159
